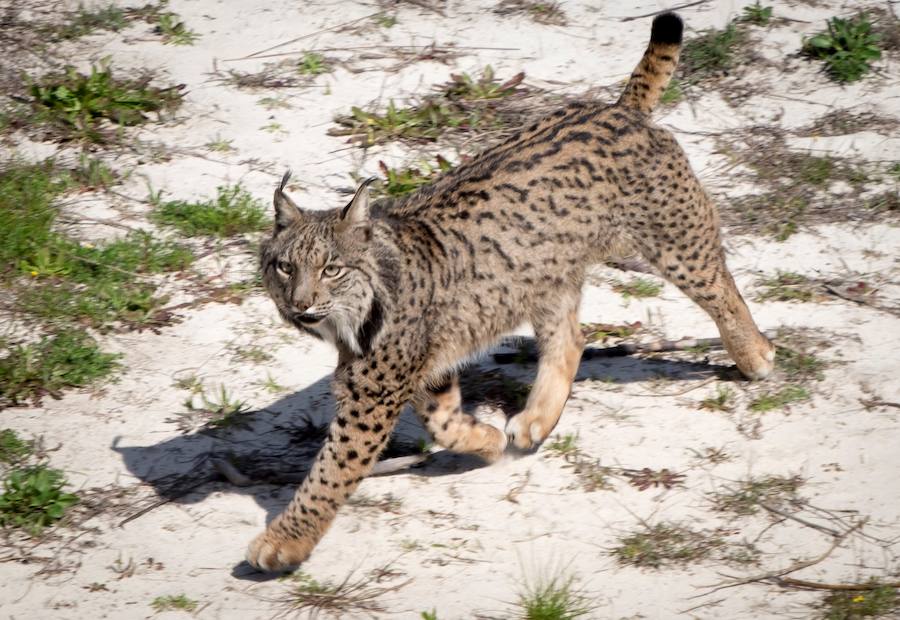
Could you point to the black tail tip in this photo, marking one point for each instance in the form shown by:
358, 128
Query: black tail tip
667, 28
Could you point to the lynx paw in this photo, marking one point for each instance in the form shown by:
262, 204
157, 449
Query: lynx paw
759, 361
270, 552
524, 432
498, 439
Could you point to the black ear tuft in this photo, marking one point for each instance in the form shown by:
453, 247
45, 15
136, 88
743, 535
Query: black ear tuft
667, 28
286, 212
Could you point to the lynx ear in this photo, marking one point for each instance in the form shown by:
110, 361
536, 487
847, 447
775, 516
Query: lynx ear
357, 211
286, 211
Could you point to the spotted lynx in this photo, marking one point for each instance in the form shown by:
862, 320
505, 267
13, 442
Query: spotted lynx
408, 289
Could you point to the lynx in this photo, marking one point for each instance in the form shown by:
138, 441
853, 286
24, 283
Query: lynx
408, 289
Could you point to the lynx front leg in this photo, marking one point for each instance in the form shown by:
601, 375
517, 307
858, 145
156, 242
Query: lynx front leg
441, 411
366, 414
560, 345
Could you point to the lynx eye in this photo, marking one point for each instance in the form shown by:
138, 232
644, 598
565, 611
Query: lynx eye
331, 271
284, 267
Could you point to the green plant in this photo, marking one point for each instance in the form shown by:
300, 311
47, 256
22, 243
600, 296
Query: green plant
75, 103
346, 599
746, 496
797, 365
12, 448
541, 12
33, 498
399, 181
563, 445
757, 14
464, 103
386, 21
175, 31
673, 92
222, 409
786, 286
99, 285
485, 86
848, 47
638, 288
553, 597
313, 63
220, 145
722, 401
173, 602
777, 400
92, 173
665, 544
83, 22
711, 53
881, 601
67, 359
233, 211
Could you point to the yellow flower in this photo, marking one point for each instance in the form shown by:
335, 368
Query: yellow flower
89, 246
34, 274
859, 598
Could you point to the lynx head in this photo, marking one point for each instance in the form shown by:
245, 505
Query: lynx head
325, 270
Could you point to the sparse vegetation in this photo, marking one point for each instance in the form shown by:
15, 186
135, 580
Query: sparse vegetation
710, 54
786, 286
398, 182
553, 597
723, 400
348, 598
174, 31
65, 360
173, 602
312, 63
881, 601
13, 449
798, 365
666, 544
601, 332
673, 92
638, 288
84, 21
220, 145
466, 102
779, 399
33, 498
562, 445
757, 14
542, 12
74, 105
747, 495
847, 47
233, 211
220, 410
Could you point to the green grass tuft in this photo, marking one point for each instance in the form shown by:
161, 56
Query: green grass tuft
171, 602
786, 286
13, 449
312, 63
847, 47
711, 53
665, 544
33, 498
638, 288
76, 105
83, 22
879, 602
67, 359
778, 400
174, 31
757, 14
233, 211
554, 597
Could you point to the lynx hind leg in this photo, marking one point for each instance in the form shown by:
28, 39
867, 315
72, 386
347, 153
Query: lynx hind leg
441, 410
688, 251
560, 344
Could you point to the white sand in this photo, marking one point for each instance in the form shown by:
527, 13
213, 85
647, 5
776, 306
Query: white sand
465, 549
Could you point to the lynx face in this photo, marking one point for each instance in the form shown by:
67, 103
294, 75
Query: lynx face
317, 267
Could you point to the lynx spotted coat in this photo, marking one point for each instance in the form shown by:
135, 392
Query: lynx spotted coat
408, 290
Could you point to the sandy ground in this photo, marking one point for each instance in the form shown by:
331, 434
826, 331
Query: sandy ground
453, 536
